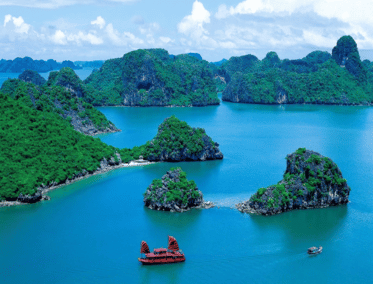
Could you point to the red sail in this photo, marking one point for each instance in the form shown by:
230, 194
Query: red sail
172, 243
144, 247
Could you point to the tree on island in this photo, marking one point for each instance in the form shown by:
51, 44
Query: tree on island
173, 192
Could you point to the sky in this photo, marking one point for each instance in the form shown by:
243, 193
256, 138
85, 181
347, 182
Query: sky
217, 29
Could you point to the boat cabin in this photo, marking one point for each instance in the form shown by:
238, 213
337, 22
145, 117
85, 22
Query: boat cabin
162, 255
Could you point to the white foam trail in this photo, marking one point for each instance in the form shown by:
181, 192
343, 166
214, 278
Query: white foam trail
224, 200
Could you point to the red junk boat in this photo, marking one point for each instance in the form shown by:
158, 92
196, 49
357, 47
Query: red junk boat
161, 255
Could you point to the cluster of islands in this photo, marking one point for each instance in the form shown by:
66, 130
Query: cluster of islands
49, 124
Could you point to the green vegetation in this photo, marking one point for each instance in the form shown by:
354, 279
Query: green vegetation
319, 78
46, 150
173, 137
179, 189
19, 64
61, 94
151, 77
307, 173
300, 151
245, 64
39, 147
330, 84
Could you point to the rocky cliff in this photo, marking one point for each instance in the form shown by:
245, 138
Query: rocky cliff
310, 181
346, 54
62, 94
177, 141
318, 78
173, 193
151, 78
33, 77
45, 152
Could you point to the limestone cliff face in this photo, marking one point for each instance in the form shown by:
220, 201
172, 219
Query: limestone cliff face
33, 77
67, 79
62, 94
152, 78
173, 193
310, 181
240, 90
346, 54
83, 117
177, 141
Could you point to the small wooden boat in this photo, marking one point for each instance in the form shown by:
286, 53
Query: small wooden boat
314, 250
161, 255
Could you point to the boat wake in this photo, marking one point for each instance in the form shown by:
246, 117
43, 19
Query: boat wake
227, 201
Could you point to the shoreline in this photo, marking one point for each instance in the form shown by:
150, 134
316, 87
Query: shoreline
46, 189
249, 210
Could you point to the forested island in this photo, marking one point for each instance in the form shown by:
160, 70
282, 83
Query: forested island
310, 181
48, 152
62, 94
340, 78
19, 65
173, 193
45, 122
153, 78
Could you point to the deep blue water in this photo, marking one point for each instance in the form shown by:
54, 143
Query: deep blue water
82, 73
90, 231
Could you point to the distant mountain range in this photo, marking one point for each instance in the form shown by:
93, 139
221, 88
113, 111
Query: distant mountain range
153, 77
89, 64
19, 65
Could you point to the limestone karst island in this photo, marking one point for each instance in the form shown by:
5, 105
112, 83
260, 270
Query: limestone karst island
186, 141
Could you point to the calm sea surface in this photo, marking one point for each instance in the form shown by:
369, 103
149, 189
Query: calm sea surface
90, 232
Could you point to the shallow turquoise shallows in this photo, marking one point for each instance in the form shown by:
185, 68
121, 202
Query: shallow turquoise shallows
90, 231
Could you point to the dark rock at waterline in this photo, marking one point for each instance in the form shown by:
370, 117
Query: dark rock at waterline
310, 181
30, 198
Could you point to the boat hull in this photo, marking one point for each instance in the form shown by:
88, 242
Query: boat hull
146, 261
315, 251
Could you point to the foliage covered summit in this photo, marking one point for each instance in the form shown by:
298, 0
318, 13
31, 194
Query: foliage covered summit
152, 78
63, 94
319, 78
173, 192
310, 181
39, 147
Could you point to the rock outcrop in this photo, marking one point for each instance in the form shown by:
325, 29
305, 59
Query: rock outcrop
152, 78
30, 198
67, 79
173, 193
177, 141
33, 77
310, 181
63, 94
318, 78
346, 54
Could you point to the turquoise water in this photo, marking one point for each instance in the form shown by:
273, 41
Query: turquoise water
90, 231
82, 73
